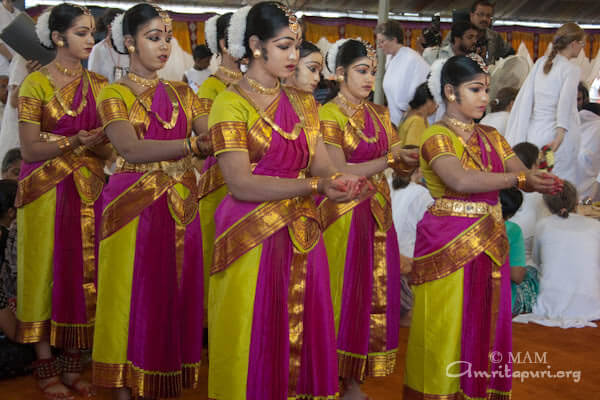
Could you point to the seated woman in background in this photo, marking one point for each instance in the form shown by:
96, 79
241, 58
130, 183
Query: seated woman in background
501, 106
421, 107
533, 208
567, 252
523, 278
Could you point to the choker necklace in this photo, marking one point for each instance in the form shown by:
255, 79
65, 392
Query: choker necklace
258, 88
351, 106
230, 74
133, 77
463, 126
67, 71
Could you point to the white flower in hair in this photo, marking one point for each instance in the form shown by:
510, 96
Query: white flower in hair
434, 83
236, 33
116, 29
210, 33
332, 54
42, 28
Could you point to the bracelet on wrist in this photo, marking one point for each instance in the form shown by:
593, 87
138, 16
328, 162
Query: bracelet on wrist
390, 160
522, 180
64, 144
335, 176
314, 184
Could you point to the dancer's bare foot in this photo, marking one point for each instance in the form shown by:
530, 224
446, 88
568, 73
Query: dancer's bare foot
53, 389
352, 391
74, 382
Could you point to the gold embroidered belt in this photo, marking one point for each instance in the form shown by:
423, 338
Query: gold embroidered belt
175, 169
461, 208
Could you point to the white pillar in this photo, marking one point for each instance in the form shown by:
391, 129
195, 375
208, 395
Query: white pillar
384, 8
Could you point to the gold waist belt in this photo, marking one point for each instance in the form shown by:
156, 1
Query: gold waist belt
174, 169
461, 208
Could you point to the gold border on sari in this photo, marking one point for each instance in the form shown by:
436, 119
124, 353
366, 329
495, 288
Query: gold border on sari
72, 336
484, 235
111, 110
32, 332
30, 110
229, 136
437, 146
332, 134
209, 181
205, 106
296, 292
259, 224
151, 384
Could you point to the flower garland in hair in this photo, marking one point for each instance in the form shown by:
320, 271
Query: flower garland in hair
237, 32
116, 29
210, 33
42, 29
332, 54
434, 82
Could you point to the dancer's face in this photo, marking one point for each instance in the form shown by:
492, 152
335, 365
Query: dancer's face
308, 72
471, 97
79, 38
280, 54
360, 77
153, 44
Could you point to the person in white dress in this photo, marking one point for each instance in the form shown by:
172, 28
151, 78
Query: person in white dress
533, 208
567, 252
104, 59
405, 69
545, 111
588, 160
501, 106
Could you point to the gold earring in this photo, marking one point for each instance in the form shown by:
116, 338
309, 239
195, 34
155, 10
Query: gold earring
131, 49
452, 98
257, 53
60, 43
340, 78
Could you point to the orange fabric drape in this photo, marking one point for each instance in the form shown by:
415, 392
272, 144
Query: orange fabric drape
525, 37
364, 32
182, 34
544, 41
595, 45
200, 33
314, 32
415, 34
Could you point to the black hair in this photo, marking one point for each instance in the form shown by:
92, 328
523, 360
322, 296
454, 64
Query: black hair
8, 193
201, 51
10, 157
562, 203
422, 94
483, 3
307, 48
62, 18
503, 99
593, 107
391, 30
222, 28
106, 19
460, 28
136, 17
511, 200
581, 88
265, 20
528, 153
458, 70
347, 54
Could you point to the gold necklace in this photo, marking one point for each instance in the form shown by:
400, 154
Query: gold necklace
357, 129
174, 114
463, 126
288, 135
260, 89
133, 77
67, 108
351, 106
231, 75
66, 71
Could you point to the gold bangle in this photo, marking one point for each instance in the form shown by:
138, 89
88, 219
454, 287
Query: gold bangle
390, 160
186, 147
521, 180
314, 184
194, 145
64, 144
335, 176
